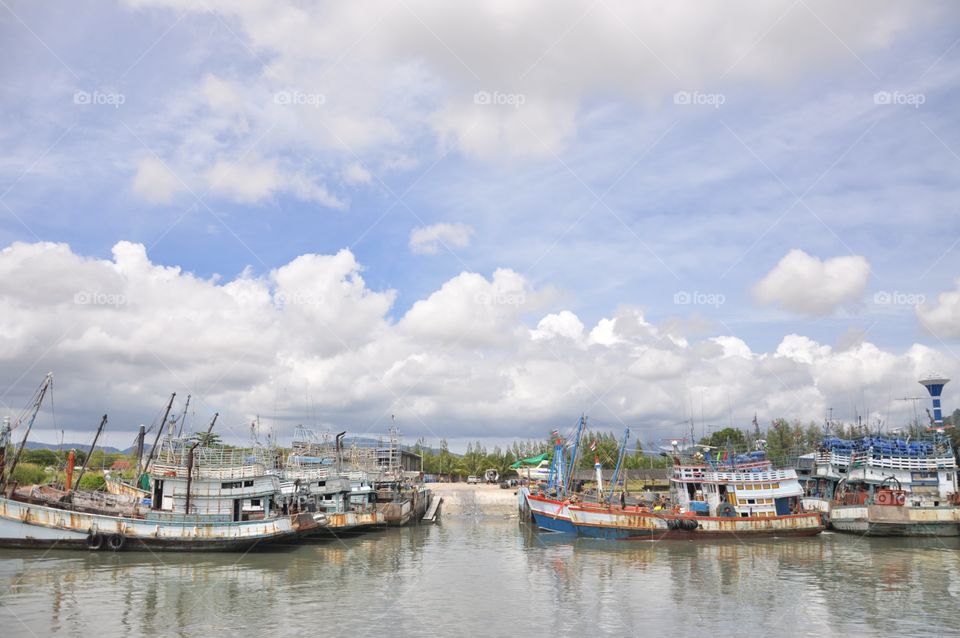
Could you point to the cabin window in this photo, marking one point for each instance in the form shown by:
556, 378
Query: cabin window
255, 502
231, 485
776, 486
248, 483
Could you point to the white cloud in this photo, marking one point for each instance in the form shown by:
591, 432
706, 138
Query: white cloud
942, 319
352, 84
427, 240
564, 324
355, 173
806, 285
310, 341
154, 182
252, 182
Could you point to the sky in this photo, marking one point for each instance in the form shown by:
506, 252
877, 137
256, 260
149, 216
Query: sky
481, 220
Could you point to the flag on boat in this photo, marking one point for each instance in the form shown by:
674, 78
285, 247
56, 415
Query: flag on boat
556, 434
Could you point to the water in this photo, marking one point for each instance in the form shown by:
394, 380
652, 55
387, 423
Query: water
492, 577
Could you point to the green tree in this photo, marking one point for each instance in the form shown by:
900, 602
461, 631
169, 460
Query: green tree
28, 474
42, 457
727, 437
92, 482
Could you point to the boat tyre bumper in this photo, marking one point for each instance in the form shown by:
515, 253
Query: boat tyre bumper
94, 541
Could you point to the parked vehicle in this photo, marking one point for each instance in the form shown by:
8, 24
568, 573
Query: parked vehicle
472, 480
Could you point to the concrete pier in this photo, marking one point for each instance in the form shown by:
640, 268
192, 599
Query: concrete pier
475, 500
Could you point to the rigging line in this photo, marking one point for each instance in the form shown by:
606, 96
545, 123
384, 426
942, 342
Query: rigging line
53, 409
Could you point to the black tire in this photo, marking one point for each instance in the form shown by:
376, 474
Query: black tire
116, 542
671, 524
678, 524
689, 524
94, 541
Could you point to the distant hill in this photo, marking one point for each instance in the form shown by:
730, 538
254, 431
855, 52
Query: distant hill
33, 445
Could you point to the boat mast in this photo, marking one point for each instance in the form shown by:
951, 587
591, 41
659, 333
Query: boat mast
573, 454
156, 440
93, 446
615, 479
186, 505
183, 417
41, 392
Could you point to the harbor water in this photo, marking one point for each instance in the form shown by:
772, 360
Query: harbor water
491, 576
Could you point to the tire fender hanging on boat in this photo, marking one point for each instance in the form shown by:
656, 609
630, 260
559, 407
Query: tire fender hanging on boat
94, 541
116, 542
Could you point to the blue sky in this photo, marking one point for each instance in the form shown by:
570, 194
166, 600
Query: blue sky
600, 187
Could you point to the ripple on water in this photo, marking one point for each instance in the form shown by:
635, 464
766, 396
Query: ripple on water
474, 575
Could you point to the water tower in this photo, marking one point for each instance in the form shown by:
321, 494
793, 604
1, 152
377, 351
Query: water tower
934, 385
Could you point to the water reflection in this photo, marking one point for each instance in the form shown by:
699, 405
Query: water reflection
490, 576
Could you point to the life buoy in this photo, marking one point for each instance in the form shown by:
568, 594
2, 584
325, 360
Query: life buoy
899, 498
94, 541
116, 542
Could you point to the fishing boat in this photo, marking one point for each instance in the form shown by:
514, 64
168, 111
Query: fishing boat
534, 469
886, 486
712, 496
883, 485
200, 500
548, 502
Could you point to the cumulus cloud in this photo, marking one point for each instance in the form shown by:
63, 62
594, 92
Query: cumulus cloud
807, 285
943, 318
427, 240
310, 342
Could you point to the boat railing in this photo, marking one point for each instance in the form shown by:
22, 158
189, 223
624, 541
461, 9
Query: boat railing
231, 472
682, 473
888, 461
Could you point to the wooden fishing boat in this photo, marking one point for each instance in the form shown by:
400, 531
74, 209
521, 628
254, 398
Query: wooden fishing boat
733, 496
